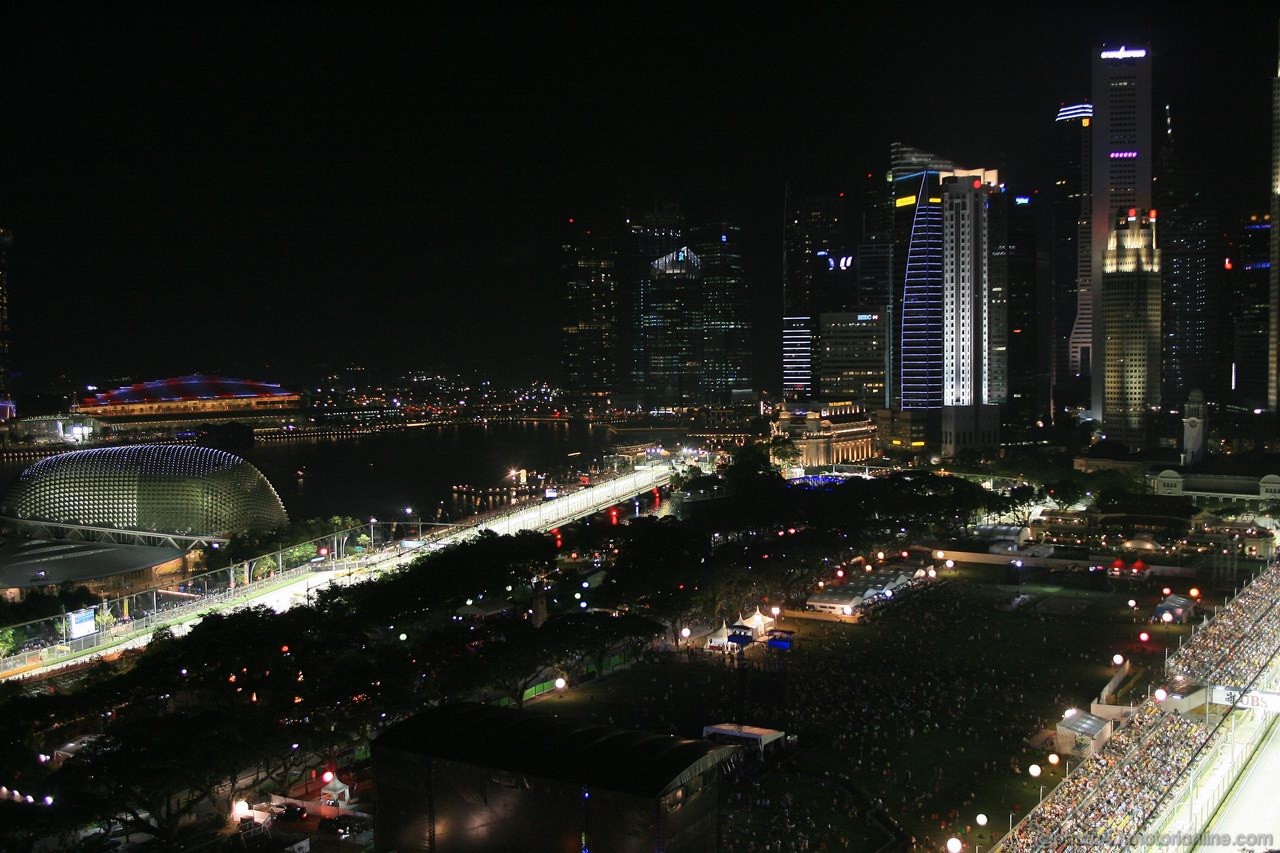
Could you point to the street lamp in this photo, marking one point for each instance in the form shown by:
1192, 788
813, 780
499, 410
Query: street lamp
954, 845
1117, 659
1034, 770
776, 611
982, 820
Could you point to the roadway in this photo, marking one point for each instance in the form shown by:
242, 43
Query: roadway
1252, 808
540, 516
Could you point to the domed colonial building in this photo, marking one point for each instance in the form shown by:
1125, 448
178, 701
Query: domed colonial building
143, 493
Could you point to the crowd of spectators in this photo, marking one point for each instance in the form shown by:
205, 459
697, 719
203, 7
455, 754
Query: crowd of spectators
1110, 797
1239, 639
866, 711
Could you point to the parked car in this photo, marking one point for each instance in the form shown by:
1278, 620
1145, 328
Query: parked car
289, 812
344, 825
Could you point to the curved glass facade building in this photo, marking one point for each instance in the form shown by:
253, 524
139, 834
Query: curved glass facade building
155, 488
920, 310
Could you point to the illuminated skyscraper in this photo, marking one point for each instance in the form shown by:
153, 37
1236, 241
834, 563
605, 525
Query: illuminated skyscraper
917, 348
6, 404
1191, 255
973, 368
590, 321
1120, 173
851, 358
1021, 307
1073, 257
1130, 288
652, 236
1273, 356
726, 344
818, 275
967, 372
916, 319
1244, 316
671, 326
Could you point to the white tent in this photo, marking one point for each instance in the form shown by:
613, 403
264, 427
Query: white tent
337, 791
757, 622
738, 732
719, 638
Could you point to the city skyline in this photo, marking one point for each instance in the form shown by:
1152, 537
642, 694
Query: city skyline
389, 191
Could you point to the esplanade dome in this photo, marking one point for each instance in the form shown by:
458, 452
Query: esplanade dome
153, 488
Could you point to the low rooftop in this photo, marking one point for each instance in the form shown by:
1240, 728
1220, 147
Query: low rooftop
549, 747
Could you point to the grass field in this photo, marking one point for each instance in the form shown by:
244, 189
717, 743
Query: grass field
930, 708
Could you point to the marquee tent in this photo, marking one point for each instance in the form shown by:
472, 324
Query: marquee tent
737, 732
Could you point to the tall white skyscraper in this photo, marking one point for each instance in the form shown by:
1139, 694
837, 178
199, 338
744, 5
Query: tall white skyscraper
966, 327
972, 383
1120, 172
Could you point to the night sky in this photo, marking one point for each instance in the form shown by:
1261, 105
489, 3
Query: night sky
257, 192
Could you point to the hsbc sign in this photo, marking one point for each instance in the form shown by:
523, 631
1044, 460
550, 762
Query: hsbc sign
1256, 700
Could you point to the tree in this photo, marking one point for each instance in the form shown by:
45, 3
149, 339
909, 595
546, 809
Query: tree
1018, 505
8, 641
784, 451
513, 665
153, 772
750, 462
592, 636
1065, 493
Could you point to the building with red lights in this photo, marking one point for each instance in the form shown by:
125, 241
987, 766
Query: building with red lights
186, 401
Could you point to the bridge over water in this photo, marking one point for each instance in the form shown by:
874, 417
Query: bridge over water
289, 587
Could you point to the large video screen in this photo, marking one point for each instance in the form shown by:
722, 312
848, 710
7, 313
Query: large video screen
80, 623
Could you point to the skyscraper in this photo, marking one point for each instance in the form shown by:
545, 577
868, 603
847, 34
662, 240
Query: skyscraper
1021, 309
875, 297
590, 351
6, 243
973, 369
726, 347
967, 370
1191, 259
851, 358
1273, 355
1072, 265
654, 235
1120, 172
916, 318
1244, 315
1130, 288
814, 280
671, 328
